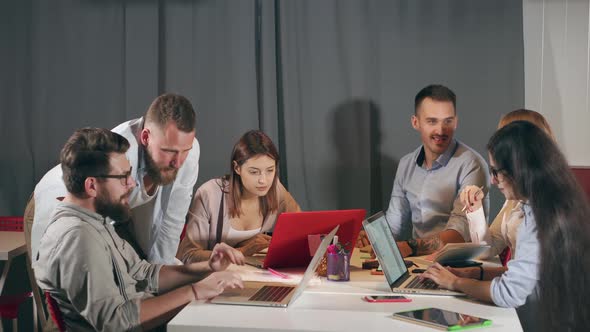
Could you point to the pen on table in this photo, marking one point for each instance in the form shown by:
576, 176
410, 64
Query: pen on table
277, 273
474, 195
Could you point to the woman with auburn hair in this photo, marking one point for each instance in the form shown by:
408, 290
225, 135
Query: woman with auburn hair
547, 279
503, 231
527, 115
241, 207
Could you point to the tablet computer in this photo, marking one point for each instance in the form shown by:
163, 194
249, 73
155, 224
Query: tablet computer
442, 319
454, 253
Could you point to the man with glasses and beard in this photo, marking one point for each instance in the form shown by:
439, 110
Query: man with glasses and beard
164, 155
97, 279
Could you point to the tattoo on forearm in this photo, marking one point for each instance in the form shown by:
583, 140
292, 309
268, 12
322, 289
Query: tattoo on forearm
428, 245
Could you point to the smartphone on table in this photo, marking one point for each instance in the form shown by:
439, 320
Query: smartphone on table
386, 298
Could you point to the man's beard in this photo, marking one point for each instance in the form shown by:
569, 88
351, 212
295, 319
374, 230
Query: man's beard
115, 210
156, 173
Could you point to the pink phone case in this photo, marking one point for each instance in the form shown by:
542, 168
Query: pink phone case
391, 299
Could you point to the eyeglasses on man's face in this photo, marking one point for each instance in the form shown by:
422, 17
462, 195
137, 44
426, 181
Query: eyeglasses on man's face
124, 178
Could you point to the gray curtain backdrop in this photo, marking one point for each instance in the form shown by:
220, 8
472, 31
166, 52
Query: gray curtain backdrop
332, 82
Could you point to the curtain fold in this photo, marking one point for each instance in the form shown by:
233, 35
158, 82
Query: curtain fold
352, 69
331, 82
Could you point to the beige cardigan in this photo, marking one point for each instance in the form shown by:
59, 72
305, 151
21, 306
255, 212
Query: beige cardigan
201, 228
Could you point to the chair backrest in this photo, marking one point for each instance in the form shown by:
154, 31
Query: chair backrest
28, 217
41, 307
9, 304
55, 312
11, 224
583, 175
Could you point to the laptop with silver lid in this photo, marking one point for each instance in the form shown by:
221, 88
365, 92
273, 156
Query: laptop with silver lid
400, 280
274, 294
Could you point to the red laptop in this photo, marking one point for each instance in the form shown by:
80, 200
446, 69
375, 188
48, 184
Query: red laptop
289, 246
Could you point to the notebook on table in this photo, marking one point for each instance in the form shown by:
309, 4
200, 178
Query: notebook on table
399, 278
274, 294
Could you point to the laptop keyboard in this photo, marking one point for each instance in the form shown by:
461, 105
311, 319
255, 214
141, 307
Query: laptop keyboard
422, 284
271, 293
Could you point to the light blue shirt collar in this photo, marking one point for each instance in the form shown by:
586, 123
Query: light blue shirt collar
442, 160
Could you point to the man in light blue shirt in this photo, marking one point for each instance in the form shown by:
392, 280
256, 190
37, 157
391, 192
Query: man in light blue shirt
425, 211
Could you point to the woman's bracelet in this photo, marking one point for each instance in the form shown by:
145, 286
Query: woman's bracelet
480, 272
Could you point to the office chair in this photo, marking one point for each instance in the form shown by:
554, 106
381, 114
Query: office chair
9, 304
583, 175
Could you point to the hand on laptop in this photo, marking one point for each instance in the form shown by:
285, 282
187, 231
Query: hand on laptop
441, 276
362, 240
223, 255
254, 244
215, 284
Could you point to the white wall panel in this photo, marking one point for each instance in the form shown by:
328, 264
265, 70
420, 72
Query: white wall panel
556, 51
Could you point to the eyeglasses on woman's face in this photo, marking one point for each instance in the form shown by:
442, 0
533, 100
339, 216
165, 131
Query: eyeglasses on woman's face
494, 172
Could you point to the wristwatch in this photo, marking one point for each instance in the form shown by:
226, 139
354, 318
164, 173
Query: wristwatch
413, 244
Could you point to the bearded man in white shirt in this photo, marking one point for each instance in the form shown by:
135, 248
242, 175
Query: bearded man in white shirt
164, 156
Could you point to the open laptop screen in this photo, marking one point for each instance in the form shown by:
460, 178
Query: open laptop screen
313, 265
289, 246
385, 247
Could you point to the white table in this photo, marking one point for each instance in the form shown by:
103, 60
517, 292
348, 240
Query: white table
12, 244
334, 306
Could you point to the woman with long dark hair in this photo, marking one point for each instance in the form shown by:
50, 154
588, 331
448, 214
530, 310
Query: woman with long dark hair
241, 207
547, 280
